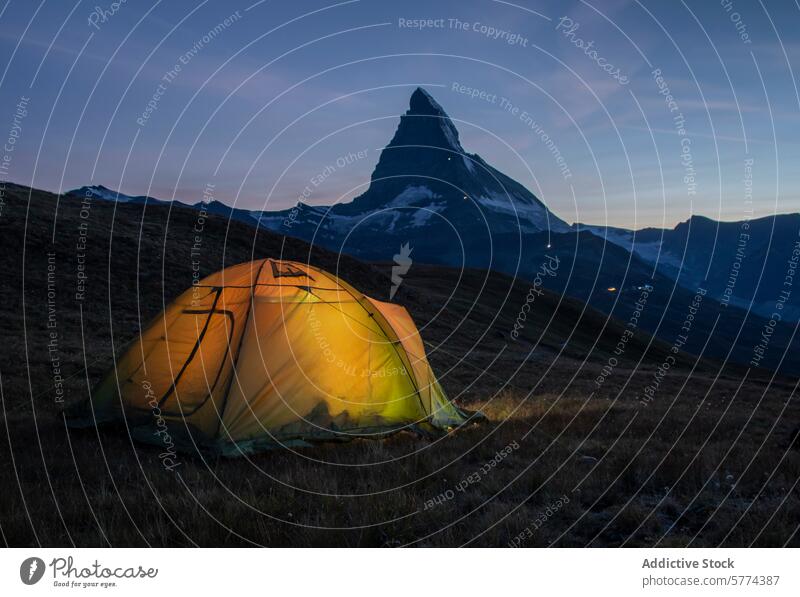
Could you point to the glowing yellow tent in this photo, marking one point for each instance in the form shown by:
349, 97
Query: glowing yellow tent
273, 353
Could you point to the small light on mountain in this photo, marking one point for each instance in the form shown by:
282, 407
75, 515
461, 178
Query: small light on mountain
612, 289
465, 197
549, 245
448, 159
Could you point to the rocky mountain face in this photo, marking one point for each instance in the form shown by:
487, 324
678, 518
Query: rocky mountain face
426, 190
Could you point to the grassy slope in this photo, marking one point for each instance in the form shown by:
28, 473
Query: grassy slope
730, 476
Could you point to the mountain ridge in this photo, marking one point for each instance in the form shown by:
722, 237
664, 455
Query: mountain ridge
454, 209
425, 180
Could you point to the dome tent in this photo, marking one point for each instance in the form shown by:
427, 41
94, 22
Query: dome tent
272, 353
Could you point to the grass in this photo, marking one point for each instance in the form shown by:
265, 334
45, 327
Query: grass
625, 482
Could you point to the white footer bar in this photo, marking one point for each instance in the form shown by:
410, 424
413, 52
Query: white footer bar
388, 573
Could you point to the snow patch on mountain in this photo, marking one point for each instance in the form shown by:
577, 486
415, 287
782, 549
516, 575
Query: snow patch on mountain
101, 192
468, 163
423, 214
532, 216
652, 251
396, 210
412, 195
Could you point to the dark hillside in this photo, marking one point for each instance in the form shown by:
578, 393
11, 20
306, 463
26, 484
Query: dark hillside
711, 458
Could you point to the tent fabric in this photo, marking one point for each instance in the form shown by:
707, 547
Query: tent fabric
272, 353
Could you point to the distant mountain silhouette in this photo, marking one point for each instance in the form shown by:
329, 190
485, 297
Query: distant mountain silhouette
452, 208
101, 192
740, 263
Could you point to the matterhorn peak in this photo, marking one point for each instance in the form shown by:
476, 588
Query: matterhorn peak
422, 103
426, 124
425, 170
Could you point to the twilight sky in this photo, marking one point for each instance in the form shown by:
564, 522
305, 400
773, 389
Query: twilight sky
167, 97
